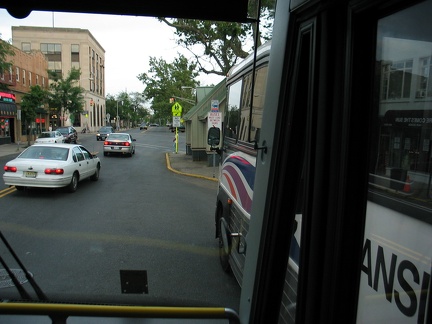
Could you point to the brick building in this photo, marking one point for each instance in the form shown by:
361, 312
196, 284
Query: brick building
28, 69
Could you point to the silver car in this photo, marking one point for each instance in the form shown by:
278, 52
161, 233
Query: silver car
119, 143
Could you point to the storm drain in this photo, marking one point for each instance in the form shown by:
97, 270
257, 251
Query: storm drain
6, 281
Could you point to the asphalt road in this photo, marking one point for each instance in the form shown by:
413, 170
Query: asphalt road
138, 216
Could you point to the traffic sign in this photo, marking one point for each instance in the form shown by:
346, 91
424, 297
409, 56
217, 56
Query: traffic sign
176, 109
215, 105
214, 120
176, 121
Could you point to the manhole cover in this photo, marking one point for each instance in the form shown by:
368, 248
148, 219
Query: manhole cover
6, 281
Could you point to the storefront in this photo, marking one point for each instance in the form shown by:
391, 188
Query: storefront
8, 115
405, 149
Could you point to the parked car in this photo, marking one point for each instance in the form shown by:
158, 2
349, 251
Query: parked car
104, 132
119, 143
181, 128
69, 133
50, 137
52, 166
143, 126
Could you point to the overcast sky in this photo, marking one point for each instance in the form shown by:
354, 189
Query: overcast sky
128, 42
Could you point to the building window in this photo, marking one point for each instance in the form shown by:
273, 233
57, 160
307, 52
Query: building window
424, 87
47, 48
24, 77
53, 54
26, 47
30, 79
37, 79
75, 55
75, 48
397, 76
17, 74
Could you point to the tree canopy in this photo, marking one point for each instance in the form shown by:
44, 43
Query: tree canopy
65, 93
5, 51
131, 107
217, 46
166, 80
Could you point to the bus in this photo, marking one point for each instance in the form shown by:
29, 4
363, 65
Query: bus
246, 87
395, 266
326, 143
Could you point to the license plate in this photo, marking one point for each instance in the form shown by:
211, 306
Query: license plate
115, 148
30, 174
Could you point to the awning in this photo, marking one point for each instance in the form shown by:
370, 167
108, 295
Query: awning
8, 109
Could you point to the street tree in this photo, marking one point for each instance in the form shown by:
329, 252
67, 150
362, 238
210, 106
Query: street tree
65, 95
169, 80
139, 112
32, 104
131, 108
6, 52
217, 45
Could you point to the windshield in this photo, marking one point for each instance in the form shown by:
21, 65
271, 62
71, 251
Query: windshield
63, 130
47, 135
142, 234
45, 152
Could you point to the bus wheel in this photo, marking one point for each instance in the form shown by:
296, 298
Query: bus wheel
224, 245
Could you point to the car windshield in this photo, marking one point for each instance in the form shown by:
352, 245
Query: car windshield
45, 153
47, 135
120, 137
141, 234
64, 131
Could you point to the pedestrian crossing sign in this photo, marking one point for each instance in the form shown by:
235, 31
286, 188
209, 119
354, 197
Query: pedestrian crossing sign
177, 109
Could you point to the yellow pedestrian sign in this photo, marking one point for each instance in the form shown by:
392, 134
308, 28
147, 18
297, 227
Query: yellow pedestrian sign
177, 110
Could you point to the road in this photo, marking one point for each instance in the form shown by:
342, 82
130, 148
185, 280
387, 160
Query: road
138, 216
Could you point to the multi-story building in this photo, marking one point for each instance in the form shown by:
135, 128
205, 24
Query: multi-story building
28, 69
64, 49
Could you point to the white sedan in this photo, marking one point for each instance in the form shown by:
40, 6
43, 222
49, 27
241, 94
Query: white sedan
52, 166
50, 137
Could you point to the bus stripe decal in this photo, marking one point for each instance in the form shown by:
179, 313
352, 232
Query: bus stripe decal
230, 184
241, 185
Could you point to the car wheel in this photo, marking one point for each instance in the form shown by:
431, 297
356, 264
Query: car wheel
73, 185
95, 176
224, 245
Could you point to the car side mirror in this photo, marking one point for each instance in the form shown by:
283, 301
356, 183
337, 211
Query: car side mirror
213, 137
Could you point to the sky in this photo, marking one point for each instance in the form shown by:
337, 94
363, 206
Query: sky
134, 38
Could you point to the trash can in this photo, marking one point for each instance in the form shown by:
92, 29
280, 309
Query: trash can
400, 176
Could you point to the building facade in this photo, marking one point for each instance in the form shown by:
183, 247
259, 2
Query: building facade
64, 49
28, 69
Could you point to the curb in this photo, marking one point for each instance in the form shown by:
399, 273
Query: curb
168, 163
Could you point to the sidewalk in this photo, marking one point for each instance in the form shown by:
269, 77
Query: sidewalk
179, 163
13, 148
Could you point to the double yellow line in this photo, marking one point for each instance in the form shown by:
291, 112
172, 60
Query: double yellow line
7, 191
